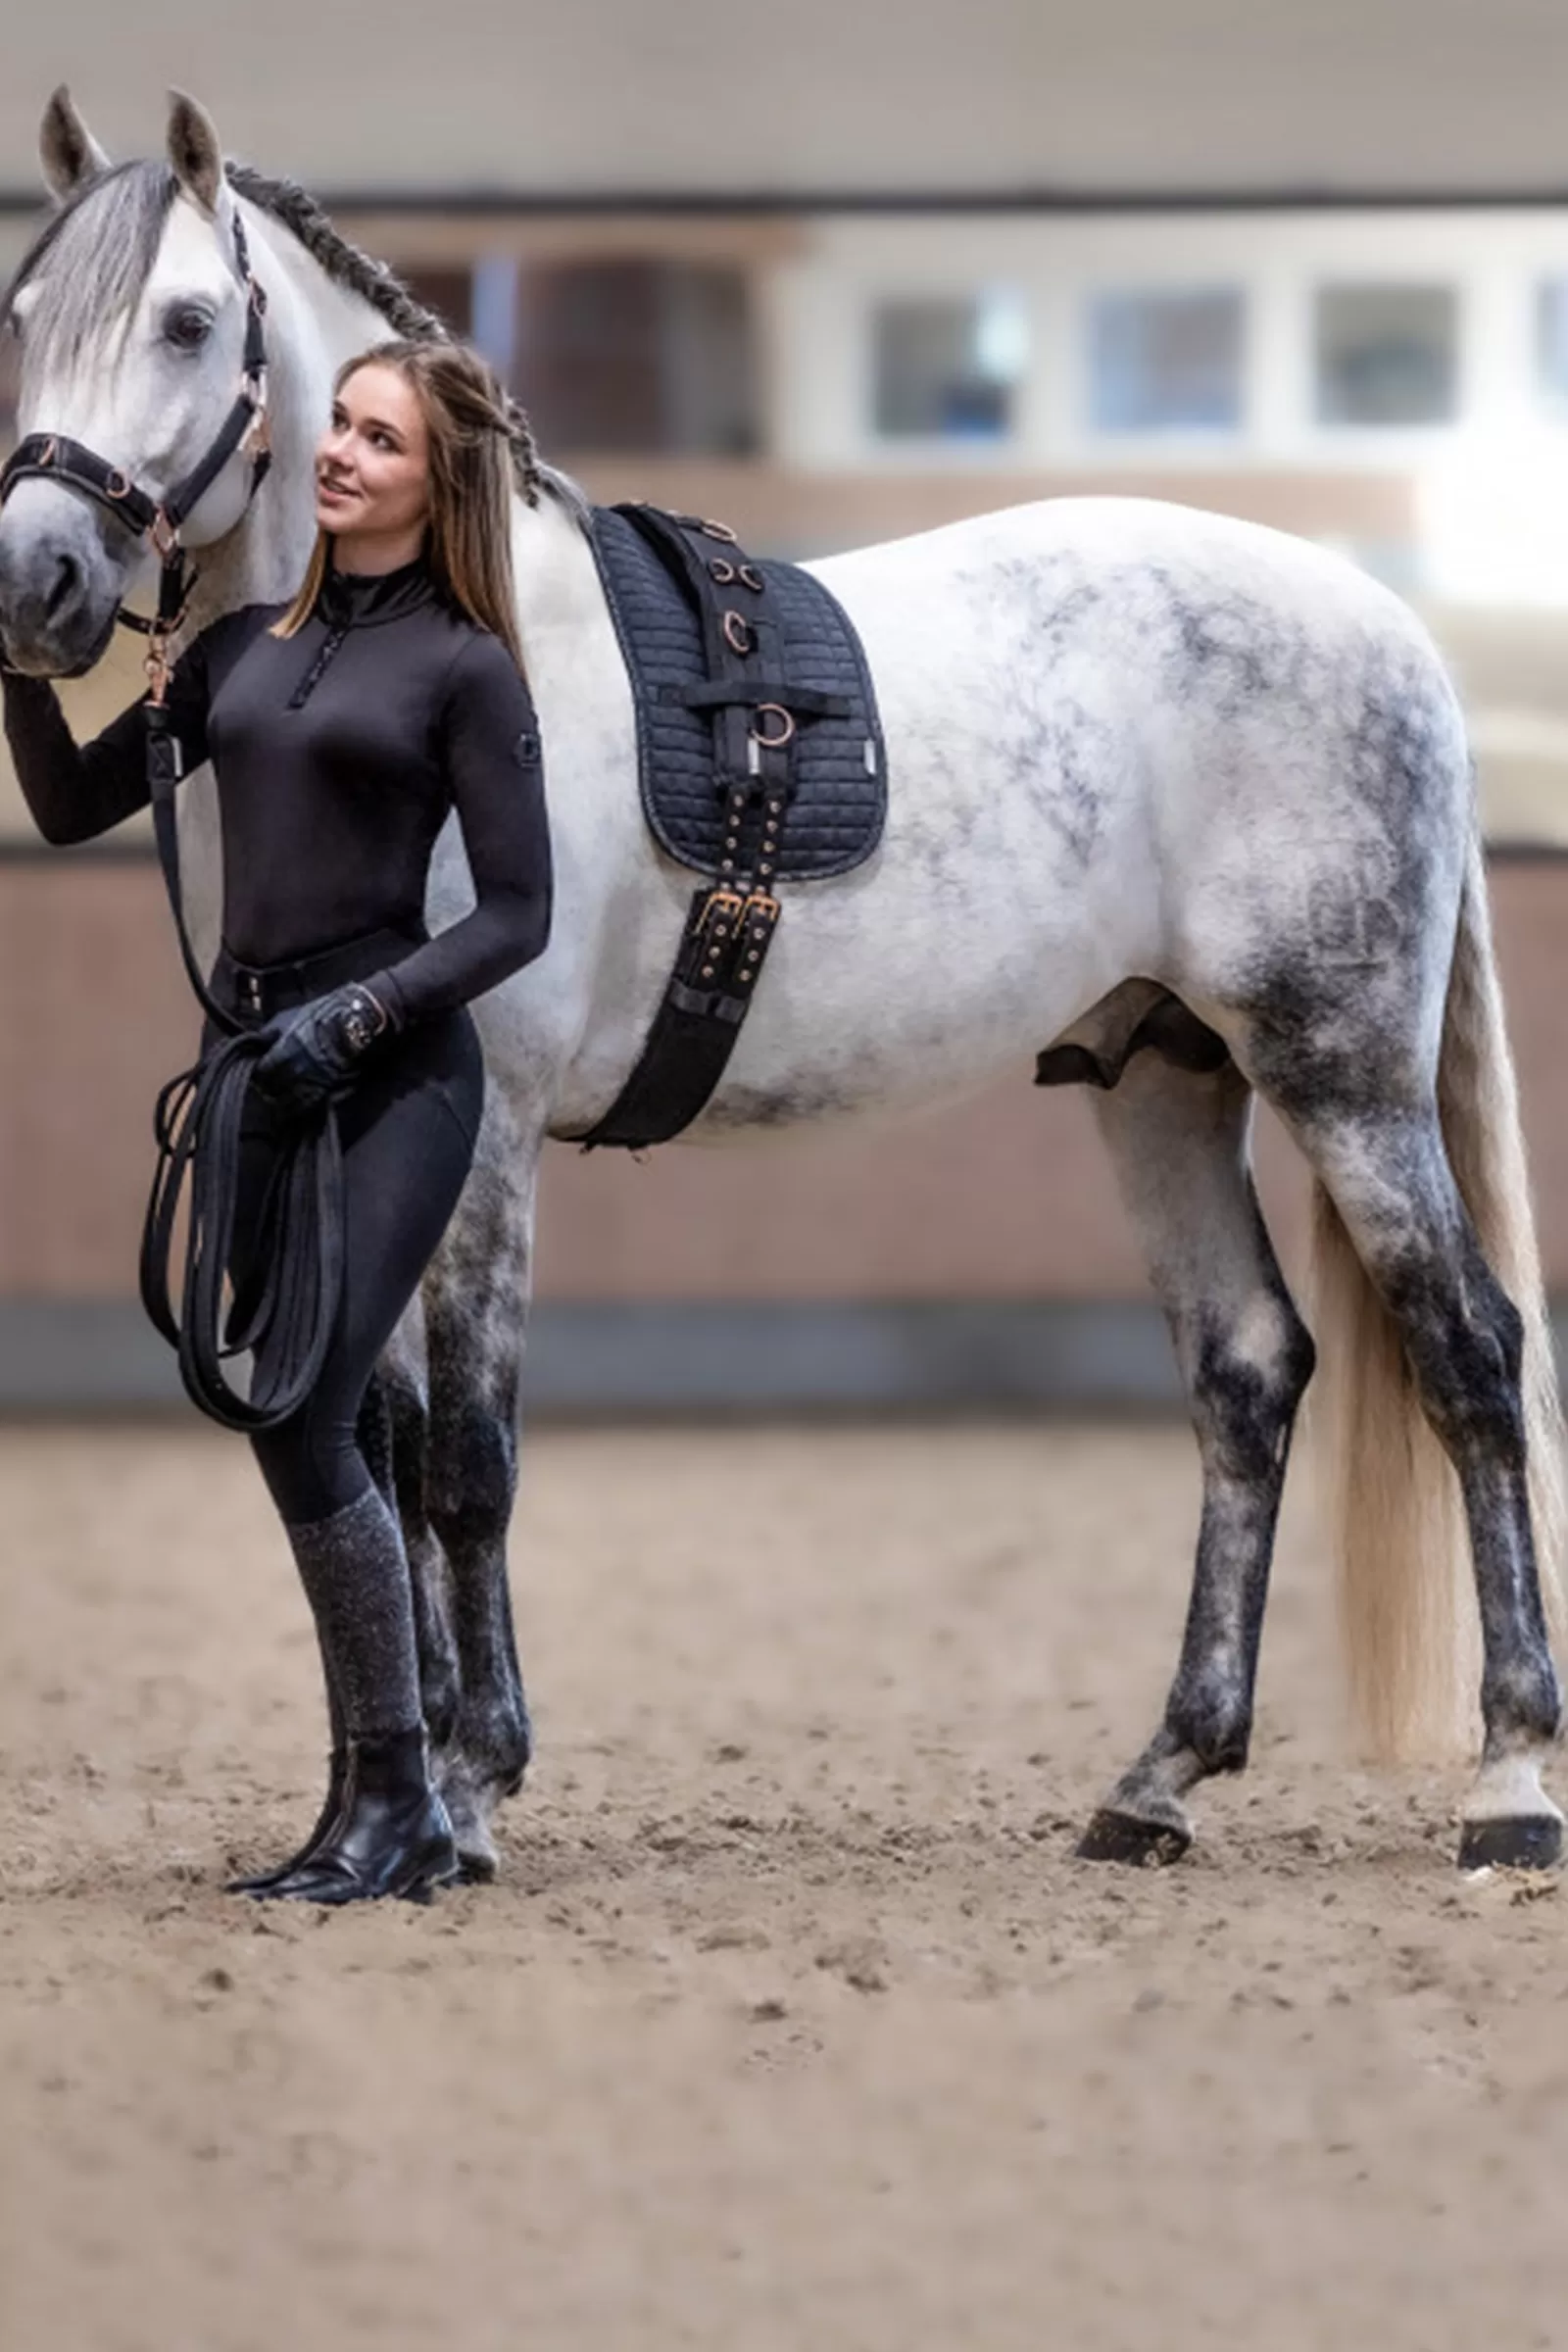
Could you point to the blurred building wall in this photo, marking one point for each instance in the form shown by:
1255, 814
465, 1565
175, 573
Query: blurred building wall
898, 266
593, 96
978, 1251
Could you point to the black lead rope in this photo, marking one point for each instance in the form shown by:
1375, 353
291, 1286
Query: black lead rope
284, 1321
286, 1326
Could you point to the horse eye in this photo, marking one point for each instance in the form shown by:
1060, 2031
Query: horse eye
188, 330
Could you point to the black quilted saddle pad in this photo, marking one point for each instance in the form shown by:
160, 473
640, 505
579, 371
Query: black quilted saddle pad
838, 798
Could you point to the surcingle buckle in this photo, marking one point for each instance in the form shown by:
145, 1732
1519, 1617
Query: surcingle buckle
758, 922
726, 945
713, 937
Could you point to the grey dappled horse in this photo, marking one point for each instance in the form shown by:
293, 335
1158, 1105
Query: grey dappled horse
1137, 754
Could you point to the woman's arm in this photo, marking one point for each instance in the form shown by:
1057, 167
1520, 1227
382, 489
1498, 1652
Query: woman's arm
491, 748
77, 791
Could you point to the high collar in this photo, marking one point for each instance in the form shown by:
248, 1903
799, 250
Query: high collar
359, 599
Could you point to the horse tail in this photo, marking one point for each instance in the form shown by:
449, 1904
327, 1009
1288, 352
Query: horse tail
1408, 1615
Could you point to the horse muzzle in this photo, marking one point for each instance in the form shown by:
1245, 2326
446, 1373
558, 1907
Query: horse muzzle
60, 586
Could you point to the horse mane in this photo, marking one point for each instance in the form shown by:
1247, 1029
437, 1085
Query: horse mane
109, 230
108, 234
347, 266
294, 209
107, 237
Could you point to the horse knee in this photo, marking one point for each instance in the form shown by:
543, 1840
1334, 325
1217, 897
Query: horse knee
472, 1480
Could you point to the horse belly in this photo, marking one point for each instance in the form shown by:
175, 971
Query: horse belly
970, 939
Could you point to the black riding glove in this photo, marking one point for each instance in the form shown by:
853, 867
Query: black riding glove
317, 1052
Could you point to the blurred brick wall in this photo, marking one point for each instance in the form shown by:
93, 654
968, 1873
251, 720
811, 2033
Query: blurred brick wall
1006, 1197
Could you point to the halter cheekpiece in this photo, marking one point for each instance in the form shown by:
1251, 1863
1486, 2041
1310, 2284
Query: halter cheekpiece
54, 456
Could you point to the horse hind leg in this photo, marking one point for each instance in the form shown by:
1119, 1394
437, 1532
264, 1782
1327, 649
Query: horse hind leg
1178, 1137
1389, 1196
1426, 1266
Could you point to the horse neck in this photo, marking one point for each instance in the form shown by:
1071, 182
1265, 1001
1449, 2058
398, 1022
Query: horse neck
312, 326
556, 576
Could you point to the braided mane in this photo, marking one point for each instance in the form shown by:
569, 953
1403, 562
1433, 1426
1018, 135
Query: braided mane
287, 203
283, 200
105, 240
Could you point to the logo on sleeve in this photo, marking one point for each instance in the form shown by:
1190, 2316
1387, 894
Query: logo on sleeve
525, 751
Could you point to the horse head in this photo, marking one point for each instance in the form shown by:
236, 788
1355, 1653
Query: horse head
132, 315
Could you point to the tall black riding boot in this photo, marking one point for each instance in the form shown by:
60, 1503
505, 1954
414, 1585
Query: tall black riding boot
262, 1880
391, 1834
373, 1436
356, 1577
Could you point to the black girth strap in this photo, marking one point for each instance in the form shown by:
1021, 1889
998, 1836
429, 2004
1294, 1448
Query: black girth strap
730, 923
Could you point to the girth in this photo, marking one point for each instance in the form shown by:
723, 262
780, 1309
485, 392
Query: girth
751, 715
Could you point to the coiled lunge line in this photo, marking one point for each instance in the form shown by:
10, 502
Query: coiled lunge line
286, 1327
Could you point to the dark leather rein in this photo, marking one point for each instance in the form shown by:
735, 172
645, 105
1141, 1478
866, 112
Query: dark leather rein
288, 1325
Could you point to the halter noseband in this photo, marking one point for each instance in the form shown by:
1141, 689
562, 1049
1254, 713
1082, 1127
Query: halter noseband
54, 456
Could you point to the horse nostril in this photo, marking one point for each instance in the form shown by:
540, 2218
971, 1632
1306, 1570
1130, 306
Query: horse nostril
67, 586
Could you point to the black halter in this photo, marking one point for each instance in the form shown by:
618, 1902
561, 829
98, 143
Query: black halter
54, 456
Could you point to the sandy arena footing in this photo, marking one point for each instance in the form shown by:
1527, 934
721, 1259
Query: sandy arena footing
793, 2021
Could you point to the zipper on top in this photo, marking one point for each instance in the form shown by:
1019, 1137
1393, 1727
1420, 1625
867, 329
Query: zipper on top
312, 676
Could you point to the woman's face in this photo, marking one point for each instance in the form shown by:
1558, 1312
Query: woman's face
373, 464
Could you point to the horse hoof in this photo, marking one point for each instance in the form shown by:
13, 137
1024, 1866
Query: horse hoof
1530, 1842
478, 1856
1123, 1838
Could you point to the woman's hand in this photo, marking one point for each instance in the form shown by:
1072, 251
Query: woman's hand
316, 1053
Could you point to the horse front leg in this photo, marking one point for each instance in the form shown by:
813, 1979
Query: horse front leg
1179, 1141
476, 1308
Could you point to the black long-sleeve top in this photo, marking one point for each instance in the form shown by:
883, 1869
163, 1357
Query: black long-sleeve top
338, 753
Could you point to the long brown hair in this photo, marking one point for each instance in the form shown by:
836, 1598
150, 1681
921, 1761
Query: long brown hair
480, 449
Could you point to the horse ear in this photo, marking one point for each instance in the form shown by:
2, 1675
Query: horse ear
194, 152
70, 153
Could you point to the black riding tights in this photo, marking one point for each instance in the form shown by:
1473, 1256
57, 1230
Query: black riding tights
408, 1127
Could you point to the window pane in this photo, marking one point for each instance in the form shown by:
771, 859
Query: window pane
1160, 360
639, 356
949, 367
1386, 355
1552, 339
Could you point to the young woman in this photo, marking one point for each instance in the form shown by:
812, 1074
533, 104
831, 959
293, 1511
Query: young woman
341, 732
